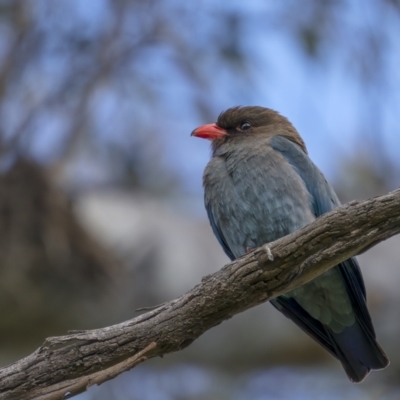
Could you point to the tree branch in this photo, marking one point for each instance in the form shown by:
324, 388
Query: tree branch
67, 365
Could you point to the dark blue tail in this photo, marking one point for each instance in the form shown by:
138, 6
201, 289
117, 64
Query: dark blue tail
356, 347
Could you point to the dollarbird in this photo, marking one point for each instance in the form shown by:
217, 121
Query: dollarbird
260, 185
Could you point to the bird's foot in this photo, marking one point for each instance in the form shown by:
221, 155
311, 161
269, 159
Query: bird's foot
269, 253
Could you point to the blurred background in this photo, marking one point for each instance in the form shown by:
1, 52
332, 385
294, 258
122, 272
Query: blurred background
101, 208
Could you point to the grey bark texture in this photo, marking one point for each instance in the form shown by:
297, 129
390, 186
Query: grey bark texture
67, 365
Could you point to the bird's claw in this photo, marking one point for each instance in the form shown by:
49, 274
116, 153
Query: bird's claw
269, 253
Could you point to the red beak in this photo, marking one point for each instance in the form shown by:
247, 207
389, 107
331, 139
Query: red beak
209, 131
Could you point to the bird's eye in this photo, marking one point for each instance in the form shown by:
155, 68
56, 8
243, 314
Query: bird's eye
244, 126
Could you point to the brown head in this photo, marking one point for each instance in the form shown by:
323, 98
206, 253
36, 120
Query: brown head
243, 122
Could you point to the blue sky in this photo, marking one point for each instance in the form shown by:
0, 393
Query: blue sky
322, 102
329, 106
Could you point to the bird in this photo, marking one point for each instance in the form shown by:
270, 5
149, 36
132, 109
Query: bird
261, 185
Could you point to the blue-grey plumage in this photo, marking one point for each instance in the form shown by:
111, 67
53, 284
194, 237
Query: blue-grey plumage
261, 185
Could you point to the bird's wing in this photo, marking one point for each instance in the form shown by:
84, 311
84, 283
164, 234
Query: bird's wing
218, 234
356, 346
323, 199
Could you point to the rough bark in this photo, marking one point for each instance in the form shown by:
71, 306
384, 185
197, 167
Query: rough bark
67, 365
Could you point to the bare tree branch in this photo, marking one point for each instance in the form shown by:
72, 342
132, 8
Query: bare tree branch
67, 365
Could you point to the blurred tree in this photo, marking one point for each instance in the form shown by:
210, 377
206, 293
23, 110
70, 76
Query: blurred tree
53, 275
88, 82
